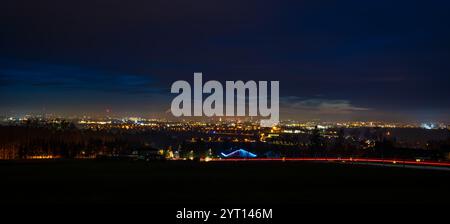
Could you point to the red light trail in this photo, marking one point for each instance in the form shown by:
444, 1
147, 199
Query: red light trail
356, 160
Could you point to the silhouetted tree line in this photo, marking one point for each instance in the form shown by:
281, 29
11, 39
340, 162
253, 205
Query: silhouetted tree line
372, 143
67, 141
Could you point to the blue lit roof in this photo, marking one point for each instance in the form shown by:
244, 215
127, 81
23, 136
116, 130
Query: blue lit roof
239, 153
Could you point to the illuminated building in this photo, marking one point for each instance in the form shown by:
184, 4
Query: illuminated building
240, 153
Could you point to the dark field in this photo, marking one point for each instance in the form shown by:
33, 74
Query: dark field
217, 183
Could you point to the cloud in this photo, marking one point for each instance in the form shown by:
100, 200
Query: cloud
4, 81
60, 77
319, 106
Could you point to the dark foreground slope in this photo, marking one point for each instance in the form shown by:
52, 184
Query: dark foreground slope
218, 183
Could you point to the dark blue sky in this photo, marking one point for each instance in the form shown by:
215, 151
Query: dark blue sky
335, 60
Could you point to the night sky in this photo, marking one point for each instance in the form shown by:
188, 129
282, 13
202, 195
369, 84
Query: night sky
335, 60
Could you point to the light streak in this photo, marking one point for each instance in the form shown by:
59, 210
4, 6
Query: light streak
330, 159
